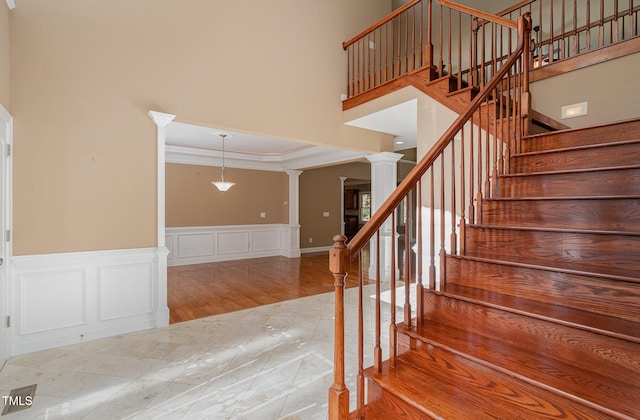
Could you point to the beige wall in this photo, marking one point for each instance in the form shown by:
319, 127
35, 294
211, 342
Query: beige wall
85, 74
4, 56
610, 88
192, 200
320, 192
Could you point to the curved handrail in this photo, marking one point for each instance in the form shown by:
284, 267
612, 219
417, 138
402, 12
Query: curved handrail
380, 216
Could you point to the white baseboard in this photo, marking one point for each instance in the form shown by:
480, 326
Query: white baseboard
204, 244
315, 249
61, 299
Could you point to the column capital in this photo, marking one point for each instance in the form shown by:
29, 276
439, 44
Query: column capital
343, 178
384, 157
160, 118
293, 173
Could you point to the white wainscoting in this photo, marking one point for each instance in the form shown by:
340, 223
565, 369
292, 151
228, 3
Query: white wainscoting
60, 299
203, 244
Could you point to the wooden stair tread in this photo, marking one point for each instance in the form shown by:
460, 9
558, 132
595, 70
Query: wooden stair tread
608, 132
571, 317
578, 147
559, 230
461, 389
576, 363
570, 171
607, 155
551, 269
586, 197
584, 213
587, 251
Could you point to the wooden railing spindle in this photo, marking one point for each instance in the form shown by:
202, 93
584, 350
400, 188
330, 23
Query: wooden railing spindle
419, 285
377, 351
392, 287
432, 239
360, 387
407, 265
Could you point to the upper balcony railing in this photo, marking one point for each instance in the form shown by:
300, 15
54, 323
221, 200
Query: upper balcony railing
429, 34
433, 34
567, 28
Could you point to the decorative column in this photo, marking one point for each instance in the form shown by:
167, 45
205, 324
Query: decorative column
162, 309
384, 179
342, 228
292, 243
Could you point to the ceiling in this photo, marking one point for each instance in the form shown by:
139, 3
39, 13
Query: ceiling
198, 145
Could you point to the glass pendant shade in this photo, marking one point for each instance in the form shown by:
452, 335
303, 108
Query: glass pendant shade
222, 185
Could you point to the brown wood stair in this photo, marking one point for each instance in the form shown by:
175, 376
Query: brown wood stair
539, 318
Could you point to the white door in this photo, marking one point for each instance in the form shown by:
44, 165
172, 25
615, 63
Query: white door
5, 139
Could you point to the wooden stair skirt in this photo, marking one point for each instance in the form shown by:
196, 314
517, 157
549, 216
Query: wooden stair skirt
540, 318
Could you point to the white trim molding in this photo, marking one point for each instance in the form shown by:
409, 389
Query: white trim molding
161, 120
316, 249
309, 157
204, 244
61, 299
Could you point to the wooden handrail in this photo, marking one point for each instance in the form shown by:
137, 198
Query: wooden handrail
381, 22
480, 14
380, 216
465, 9
514, 7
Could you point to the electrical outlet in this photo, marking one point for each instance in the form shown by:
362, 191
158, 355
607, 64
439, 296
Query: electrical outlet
263, 214
310, 240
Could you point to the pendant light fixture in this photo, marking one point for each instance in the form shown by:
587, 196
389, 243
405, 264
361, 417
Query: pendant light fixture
223, 185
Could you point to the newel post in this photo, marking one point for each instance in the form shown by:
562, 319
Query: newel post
339, 262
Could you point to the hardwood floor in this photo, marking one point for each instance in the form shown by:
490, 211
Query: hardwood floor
196, 291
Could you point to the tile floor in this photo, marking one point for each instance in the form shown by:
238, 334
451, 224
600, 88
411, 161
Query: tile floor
271, 362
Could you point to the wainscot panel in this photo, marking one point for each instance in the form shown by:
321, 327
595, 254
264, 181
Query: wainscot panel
223, 243
61, 299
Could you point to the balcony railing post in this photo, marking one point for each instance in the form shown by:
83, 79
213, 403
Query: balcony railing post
524, 26
339, 263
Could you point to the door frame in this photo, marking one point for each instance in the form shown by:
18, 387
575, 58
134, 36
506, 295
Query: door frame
6, 225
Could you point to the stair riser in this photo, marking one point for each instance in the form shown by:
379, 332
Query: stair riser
599, 296
384, 405
597, 135
599, 214
521, 336
601, 157
579, 184
611, 254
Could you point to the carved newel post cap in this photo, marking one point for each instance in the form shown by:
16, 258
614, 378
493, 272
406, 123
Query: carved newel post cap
339, 256
339, 241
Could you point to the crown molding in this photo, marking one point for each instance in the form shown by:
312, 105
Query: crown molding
11, 4
300, 159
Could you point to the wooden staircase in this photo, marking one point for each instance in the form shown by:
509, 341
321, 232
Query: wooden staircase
539, 316
527, 272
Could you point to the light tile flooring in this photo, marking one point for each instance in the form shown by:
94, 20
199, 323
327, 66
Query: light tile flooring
271, 362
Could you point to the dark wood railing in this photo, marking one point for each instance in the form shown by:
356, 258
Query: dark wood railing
566, 28
450, 181
403, 42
